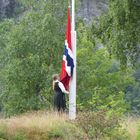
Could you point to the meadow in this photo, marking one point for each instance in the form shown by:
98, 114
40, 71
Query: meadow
52, 126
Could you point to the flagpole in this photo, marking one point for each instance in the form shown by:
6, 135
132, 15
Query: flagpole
72, 96
73, 15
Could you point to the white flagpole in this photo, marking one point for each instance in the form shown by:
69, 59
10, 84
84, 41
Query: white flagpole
72, 96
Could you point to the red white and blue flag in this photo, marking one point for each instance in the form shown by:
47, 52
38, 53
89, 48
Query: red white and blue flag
68, 61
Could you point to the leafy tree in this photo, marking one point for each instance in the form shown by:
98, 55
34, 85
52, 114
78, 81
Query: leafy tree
118, 29
10, 9
5, 28
133, 94
101, 83
32, 48
35, 47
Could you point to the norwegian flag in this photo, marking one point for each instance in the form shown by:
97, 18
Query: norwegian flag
67, 62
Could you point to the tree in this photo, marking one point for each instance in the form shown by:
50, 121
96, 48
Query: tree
101, 83
118, 29
5, 28
35, 46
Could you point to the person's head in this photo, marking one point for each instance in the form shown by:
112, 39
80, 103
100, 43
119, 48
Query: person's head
55, 77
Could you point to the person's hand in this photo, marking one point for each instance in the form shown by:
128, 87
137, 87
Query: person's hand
68, 92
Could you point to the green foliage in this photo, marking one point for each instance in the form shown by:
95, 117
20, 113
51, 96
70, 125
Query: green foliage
66, 131
5, 28
3, 135
118, 29
132, 93
99, 126
56, 133
19, 136
35, 46
101, 83
32, 50
138, 132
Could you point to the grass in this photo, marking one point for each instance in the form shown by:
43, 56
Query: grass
51, 126
132, 126
39, 126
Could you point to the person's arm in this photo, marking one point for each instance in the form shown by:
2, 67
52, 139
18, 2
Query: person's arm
53, 84
62, 88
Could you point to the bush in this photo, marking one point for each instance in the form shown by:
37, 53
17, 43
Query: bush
98, 126
56, 133
66, 131
20, 136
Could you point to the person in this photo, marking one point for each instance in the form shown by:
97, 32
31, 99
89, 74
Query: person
59, 97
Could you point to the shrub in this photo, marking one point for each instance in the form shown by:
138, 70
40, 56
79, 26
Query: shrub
20, 136
66, 131
98, 125
56, 133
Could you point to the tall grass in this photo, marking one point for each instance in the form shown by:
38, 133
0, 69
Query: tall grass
52, 126
39, 126
131, 124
